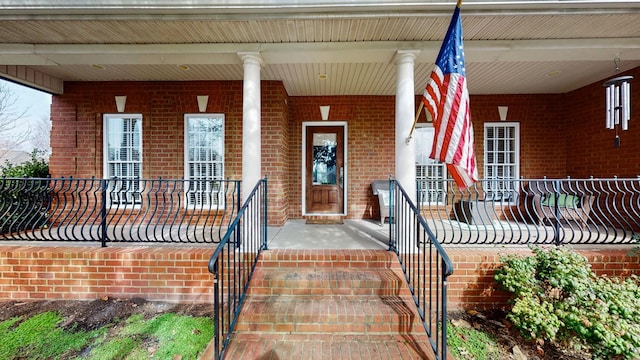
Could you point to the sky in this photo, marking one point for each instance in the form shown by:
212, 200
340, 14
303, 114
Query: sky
36, 103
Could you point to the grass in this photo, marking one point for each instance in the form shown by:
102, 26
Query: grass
470, 343
166, 336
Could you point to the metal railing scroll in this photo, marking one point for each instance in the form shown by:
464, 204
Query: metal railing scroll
117, 210
425, 264
233, 262
535, 211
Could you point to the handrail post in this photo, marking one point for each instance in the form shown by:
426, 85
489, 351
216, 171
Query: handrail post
238, 207
265, 214
216, 311
103, 212
444, 310
392, 245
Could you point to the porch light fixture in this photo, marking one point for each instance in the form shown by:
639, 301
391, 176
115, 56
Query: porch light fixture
324, 112
120, 103
617, 103
203, 100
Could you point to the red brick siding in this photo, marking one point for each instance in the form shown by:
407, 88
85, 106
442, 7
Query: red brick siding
592, 151
472, 285
561, 134
176, 275
76, 135
542, 143
181, 275
370, 141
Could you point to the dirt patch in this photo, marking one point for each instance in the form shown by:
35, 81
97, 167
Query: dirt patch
494, 322
90, 315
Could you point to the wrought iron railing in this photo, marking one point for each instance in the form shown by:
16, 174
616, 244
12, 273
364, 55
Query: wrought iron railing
425, 264
116, 210
535, 211
233, 262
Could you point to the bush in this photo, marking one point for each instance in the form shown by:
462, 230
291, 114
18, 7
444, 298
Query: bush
24, 202
556, 296
37, 167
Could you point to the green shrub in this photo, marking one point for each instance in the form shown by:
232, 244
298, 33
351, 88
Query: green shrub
24, 202
556, 296
37, 167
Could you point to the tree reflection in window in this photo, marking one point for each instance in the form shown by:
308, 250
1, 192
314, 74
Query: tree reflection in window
324, 159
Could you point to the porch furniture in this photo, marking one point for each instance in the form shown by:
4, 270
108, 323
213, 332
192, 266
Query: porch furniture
476, 212
542, 204
380, 189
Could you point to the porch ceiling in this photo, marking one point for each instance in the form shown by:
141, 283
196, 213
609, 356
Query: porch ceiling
511, 46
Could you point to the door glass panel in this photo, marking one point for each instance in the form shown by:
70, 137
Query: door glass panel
324, 159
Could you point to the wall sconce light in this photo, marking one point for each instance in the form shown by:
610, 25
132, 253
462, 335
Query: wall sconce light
502, 111
120, 103
203, 100
617, 103
324, 112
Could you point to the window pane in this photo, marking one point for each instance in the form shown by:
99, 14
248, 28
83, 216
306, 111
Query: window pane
123, 157
430, 174
204, 149
324, 158
501, 159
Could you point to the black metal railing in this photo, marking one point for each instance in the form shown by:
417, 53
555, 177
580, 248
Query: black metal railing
534, 211
233, 262
117, 210
425, 264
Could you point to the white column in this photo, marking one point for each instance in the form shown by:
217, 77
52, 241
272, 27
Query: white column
405, 114
251, 122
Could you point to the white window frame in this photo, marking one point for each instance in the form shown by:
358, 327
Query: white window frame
432, 190
123, 191
204, 191
506, 162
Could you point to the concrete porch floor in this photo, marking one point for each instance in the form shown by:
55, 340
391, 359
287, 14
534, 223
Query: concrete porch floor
351, 235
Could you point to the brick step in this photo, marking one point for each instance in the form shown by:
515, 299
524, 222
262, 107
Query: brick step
335, 259
329, 314
327, 346
328, 304
327, 281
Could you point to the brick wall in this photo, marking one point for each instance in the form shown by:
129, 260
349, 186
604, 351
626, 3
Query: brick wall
370, 146
472, 285
76, 135
561, 134
592, 151
181, 275
83, 273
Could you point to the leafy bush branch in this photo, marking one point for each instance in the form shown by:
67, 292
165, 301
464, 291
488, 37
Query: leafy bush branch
557, 297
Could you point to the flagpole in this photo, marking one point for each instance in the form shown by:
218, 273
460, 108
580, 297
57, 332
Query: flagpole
415, 121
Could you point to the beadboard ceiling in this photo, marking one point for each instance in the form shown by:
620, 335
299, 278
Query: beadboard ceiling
511, 47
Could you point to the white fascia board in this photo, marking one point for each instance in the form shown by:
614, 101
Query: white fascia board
294, 8
310, 53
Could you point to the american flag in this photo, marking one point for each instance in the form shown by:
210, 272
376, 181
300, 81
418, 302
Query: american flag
447, 99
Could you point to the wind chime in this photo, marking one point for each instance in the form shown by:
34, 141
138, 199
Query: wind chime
618, 103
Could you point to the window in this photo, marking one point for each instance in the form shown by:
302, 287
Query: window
431, 175
501, 160
204, 159
123, 158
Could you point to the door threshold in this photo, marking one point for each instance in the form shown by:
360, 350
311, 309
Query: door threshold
329, 219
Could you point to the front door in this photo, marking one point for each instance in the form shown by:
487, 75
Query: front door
324, 172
